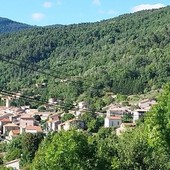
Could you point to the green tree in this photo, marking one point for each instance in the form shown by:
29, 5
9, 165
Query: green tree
67, 116
65, 150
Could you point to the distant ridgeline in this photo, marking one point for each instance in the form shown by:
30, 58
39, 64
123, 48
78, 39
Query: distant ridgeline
8, 26
129, 54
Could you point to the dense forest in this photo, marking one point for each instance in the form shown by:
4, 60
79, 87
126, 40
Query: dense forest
9, 26
129, 54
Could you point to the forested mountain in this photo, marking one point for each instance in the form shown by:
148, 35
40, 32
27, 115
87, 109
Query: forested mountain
7, 26
129, 54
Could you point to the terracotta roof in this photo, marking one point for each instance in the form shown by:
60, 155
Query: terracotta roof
5, 120
26, 116
37, 128
11, 124
115, 117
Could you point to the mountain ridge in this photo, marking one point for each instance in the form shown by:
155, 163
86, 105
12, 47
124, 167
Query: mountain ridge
8, 26
126, 55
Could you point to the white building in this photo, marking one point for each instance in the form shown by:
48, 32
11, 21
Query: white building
138, 114
14, 164
112, 121
82, 105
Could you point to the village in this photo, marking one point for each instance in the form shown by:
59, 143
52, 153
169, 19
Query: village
15, 121
18, 120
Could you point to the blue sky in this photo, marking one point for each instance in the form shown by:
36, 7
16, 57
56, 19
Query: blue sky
49, 12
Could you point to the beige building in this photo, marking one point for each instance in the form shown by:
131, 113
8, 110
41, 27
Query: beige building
73, 123
33, 129
8, 127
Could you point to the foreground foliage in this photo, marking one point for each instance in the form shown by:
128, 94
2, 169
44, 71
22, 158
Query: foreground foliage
144, 148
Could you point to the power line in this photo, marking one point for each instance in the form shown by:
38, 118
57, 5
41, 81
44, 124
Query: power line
13, 94
27, 66
34, 67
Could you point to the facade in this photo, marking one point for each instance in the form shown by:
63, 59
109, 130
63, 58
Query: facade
73, 123
33, 129
117, 111
138, 114
3, 122
112, 121
8, 127
82, 105
53, 122
124, 126
26, 120
52, 125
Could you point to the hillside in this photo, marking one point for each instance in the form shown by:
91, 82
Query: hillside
7, 26
128, 55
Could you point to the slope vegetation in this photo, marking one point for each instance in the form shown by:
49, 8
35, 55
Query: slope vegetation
128, 54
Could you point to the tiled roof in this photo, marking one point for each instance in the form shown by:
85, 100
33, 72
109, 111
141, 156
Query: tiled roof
36, 128
26, 116
5, 120
11, 124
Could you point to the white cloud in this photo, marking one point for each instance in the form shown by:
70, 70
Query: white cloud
147, 6
38, 16
96, 2
47, 4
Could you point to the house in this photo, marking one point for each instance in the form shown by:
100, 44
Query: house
26, 120
112, 121
52, 100
82, 105
124, 126
15, 118
53, 122
146, 104
138, 114
14, 164
52, 125
118, 111
3, 122
33, 129
8, 127
73, 123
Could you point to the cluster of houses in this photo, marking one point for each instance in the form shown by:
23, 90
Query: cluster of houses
115, 114
18, 120
15, 121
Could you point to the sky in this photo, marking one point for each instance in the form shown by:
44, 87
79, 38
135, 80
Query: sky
50, 12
